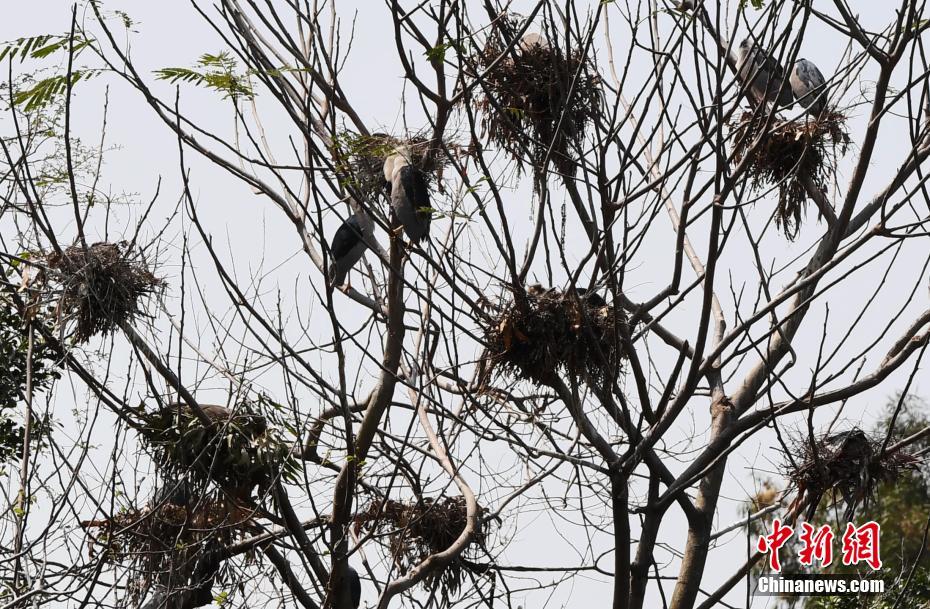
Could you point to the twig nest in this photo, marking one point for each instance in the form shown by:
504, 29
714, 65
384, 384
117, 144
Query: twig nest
237, 451
97, 288
170, 545
788, 156
850, 464
417, 529
544, 333
360, 159
537, 96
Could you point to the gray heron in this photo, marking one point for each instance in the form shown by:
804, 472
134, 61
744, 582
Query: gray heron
809, 86
347, 248
349, 593
763, 73
409, 194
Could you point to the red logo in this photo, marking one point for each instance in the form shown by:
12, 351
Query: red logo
860, 544
771, 543
817, 545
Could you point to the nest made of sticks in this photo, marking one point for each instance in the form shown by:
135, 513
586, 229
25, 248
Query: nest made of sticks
536, 98
97, 288
790, 156
850, 464
418, 529
360, 159
169, 545
237, 451
544, 333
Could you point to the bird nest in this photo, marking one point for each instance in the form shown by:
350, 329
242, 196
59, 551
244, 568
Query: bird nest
536, 99
851, 464
98, 288
545, 333
791, 156
360, 159
237, 450
418, 529
167, 545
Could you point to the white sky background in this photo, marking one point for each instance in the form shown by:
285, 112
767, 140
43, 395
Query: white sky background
250, 232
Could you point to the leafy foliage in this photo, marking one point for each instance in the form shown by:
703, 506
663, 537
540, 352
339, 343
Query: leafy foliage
13, 363
217, 72
42, 92
40, 47
48, 89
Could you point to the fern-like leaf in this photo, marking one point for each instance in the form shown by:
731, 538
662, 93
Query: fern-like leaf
44, 91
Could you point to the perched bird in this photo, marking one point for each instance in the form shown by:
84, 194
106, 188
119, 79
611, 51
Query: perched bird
349, 594
809, 86
591, 297
763, 73
844, 440
538, 290
409, 194
347, 248
533, 39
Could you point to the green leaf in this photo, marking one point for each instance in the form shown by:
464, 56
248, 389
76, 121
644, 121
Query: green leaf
173, 75
219, 74
23, 46
40, 47
43, 92
437, 54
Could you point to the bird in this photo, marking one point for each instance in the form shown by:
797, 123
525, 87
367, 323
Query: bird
538, 291
592, 298
531, 40
349, 594
765, 74
347, 248
854, 437
809, 86
409, 194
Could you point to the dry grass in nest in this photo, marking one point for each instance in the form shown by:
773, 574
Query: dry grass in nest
419, 529
236, 451
360, 159
536, 98
98, 289
554, 332
168, 545
852, 466
789, 155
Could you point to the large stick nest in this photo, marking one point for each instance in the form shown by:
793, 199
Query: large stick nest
237, 450
172, 545
419, 529
789, 155
544, 333
851, 464
97, 288
360, 159
536, 98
